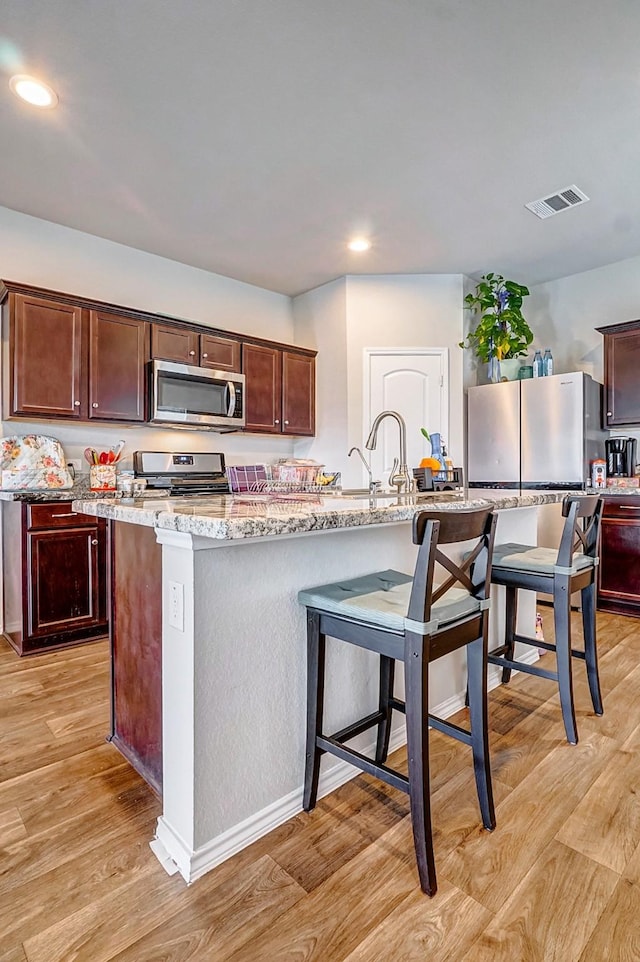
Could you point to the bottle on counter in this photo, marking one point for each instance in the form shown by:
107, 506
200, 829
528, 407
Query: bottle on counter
547, 363
538, 369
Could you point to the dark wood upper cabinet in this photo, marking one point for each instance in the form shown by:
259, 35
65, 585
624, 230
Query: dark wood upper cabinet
262, 367
117, 378
46, 358
280, 391
219, 353
185, 346
298, 393
81, 359
174, 344
622, 373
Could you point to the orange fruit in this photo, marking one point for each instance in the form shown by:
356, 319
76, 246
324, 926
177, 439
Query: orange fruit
432, 463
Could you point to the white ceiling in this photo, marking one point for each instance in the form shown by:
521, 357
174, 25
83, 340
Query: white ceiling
253, 137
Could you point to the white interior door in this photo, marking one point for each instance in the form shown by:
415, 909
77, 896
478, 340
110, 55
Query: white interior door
413, 382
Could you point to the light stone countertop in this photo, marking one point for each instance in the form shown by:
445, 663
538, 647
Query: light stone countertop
238, 517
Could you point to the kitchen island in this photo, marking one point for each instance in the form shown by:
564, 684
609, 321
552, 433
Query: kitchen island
233, 648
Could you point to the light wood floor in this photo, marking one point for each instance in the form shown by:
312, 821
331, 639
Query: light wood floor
559, 878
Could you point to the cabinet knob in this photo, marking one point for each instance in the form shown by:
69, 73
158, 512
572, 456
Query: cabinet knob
205, 355
609, 413
277, 421
192, 353
286, 422
95, 404
76, 404
94, 541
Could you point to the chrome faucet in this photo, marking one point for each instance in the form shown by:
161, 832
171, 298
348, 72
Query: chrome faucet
373, 485
400, 477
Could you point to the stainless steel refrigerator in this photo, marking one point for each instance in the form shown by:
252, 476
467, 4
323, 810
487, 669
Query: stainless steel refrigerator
537, 433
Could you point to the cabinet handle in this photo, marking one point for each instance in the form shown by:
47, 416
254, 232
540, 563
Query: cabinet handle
68, 514
629, 507
94, 541
95, 404
76, 404
277, 421
192, 353
205, 355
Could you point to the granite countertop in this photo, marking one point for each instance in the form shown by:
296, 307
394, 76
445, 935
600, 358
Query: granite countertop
238, 517
79, 491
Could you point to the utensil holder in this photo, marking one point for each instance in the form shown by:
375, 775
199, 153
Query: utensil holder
102, 477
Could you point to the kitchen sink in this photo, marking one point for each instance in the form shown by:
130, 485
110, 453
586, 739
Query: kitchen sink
363, 494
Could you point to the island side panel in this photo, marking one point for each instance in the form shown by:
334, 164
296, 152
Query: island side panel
137, 649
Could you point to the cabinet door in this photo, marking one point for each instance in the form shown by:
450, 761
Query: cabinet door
174, 344
219, 353
46, 357
263, 394
66, 580
619, 569
622, 363
298, 393
117, 372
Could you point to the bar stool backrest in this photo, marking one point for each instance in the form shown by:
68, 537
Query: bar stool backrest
473, 573
581, 530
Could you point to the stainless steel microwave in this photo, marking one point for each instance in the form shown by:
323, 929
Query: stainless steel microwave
189, 395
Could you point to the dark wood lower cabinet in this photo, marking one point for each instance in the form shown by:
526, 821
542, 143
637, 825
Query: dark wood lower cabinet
136, 599
54, 576
619, 575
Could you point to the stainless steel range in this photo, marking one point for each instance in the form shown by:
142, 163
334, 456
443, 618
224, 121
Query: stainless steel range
181, 473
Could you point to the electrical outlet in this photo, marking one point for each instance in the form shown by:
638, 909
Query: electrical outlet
75, 463
176, 605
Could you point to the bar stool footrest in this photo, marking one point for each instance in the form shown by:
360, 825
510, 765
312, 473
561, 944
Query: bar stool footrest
523, 666
448, 728
356, 728
389, 775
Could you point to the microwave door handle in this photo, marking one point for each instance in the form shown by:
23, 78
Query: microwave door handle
231, 392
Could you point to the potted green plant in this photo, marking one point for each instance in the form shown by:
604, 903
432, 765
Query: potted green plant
502, 333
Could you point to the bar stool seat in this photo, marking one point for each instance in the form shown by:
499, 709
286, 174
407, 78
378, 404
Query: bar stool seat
413, 620
573, 567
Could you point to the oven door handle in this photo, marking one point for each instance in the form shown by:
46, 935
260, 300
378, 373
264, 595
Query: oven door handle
231, 394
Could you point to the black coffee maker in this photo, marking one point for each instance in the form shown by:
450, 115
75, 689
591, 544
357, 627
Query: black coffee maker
621, 457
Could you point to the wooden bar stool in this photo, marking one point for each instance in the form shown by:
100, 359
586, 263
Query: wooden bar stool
415, 621
559, 573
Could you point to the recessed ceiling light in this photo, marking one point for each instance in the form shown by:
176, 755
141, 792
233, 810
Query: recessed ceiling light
33, 91
359, 245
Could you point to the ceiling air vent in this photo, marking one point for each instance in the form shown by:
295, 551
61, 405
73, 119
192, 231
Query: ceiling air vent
563, 200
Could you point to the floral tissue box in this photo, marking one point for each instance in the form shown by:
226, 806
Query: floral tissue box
33, 463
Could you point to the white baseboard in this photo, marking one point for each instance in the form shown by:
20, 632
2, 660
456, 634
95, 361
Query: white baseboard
175, 855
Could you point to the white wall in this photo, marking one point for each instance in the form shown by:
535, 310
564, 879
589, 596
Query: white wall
343, 318
563, 315
37, 252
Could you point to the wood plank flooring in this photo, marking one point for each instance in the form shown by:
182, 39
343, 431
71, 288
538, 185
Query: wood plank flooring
559, 878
